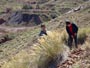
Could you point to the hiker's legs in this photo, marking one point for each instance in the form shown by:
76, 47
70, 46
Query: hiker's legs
70, 40
75, 40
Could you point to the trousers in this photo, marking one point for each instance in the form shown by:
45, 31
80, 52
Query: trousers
70, 41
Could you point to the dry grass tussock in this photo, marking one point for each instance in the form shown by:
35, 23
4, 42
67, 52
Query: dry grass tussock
48, 48
41, 53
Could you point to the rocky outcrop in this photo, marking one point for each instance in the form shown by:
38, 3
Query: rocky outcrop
18, 18
15, 18
2, 21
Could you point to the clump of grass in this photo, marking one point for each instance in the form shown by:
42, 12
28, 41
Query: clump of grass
82, 35
19, 61
41, 53
77, 65
53, 45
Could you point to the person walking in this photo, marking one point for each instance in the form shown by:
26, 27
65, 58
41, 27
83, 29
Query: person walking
72, 30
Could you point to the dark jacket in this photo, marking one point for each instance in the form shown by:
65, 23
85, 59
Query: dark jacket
74, 29
42, 33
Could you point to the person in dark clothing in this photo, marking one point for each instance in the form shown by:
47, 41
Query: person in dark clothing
72, 31
43, 30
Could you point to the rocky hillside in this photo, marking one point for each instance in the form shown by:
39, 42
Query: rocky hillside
18, 48
18, 18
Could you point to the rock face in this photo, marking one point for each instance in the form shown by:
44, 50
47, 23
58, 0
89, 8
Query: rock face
18, 18
35, 18
15, 18
2, 21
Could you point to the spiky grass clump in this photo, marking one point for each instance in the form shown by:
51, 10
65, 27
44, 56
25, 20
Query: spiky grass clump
52, 45
19, 61
82, 35
41, 53
48, 48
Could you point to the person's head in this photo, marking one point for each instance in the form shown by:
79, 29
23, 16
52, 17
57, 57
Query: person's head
68, 23
43, 27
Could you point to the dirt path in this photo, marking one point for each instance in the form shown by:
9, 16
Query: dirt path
15, 29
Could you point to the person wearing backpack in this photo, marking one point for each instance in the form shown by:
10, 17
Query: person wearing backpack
72, 30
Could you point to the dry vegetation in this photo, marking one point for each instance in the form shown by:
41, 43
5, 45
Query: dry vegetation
18, 52
40, 54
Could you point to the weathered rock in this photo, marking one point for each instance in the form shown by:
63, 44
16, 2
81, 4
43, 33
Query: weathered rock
18, 18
